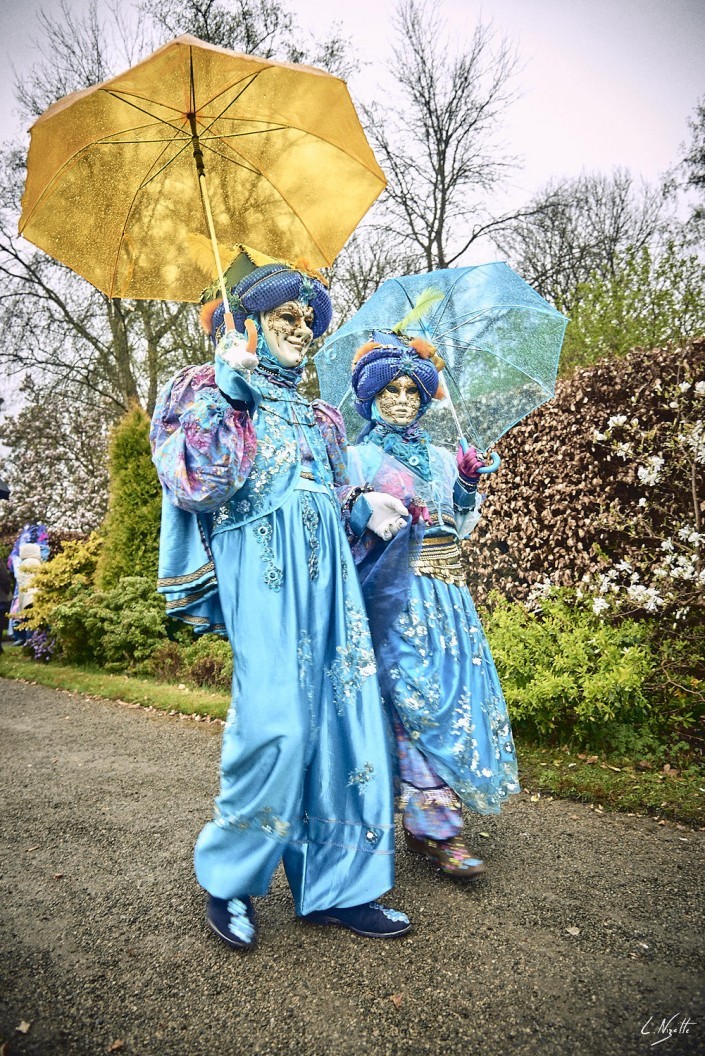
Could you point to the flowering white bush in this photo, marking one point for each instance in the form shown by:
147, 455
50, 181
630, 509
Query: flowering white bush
664, 572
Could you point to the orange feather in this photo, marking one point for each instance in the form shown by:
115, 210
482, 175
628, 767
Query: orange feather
206, 314
363, 350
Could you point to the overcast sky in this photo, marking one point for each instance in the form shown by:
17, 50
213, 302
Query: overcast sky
604, 82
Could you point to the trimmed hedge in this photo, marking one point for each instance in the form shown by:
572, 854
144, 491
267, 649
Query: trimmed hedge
554, 508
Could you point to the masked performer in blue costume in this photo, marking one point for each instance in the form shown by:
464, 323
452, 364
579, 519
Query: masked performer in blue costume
453, 733
253, 547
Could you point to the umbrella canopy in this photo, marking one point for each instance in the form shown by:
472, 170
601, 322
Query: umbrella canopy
499, 338
112, 176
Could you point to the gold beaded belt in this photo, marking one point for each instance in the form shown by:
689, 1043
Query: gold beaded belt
445, 520
439, 558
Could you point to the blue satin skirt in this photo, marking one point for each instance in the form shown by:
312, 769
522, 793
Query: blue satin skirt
445, 690
305, 769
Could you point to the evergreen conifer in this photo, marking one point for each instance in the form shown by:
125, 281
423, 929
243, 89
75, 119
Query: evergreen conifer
131, 530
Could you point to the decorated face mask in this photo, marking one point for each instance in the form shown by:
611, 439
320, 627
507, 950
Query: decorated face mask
399, 402
288, 332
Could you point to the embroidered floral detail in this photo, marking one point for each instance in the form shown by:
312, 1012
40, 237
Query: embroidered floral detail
416, 700
311, 521
240, 924
361, 776
304, 655
273, 575
231, 723
265, 820
391, 914
354, 662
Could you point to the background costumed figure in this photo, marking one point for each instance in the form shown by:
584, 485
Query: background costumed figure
36, 537
253, 546
452, 729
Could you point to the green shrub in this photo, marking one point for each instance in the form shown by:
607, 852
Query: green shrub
131, 528
648, 300
567, 675
114, 628
72, 568
207, 661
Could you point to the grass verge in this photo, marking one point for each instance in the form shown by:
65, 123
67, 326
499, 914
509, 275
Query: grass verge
609, 783
614, 784
96, 683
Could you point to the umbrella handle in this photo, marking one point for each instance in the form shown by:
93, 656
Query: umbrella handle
229, 321
205, 198
495, 463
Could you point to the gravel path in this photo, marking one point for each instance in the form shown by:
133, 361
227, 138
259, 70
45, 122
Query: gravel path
104, 947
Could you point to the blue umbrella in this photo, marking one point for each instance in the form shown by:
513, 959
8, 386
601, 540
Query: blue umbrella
499, 338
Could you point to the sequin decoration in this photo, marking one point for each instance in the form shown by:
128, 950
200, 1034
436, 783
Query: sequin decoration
354, 662
273, 575
391, 914
311, 521
361, 776
240, 924
265, 820
304, 656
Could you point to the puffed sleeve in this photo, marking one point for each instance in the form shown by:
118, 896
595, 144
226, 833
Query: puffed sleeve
202, 446
356, 510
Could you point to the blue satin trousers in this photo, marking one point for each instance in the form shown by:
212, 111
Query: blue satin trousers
305, 767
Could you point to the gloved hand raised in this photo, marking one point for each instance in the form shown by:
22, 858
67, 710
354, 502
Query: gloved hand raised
239, 350
389, 515
469, 462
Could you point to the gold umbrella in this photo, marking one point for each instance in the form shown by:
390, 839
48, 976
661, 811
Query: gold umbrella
116, 174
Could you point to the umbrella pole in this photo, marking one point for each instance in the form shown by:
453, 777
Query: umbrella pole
200, 168
495, 461
453, 411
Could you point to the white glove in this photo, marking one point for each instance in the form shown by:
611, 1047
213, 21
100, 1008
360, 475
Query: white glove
238, 350
389, 515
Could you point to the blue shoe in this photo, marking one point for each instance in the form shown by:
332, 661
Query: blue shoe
370, 920
233, 921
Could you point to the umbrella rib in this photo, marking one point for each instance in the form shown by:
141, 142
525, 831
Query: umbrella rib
204, 138
467, 346
307, 131
141, 187
494, 307
148, 179
181, 151
277, 191
155, 117
127, 97
250, 78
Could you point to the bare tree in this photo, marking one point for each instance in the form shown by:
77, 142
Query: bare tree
439, 144
368, 258
582, 227
110, 352
257, 27
78, 51
694, 167
113, 351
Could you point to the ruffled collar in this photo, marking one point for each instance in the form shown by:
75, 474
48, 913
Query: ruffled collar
271, 369
407, 443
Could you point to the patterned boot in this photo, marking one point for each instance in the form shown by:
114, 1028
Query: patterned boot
452, 856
